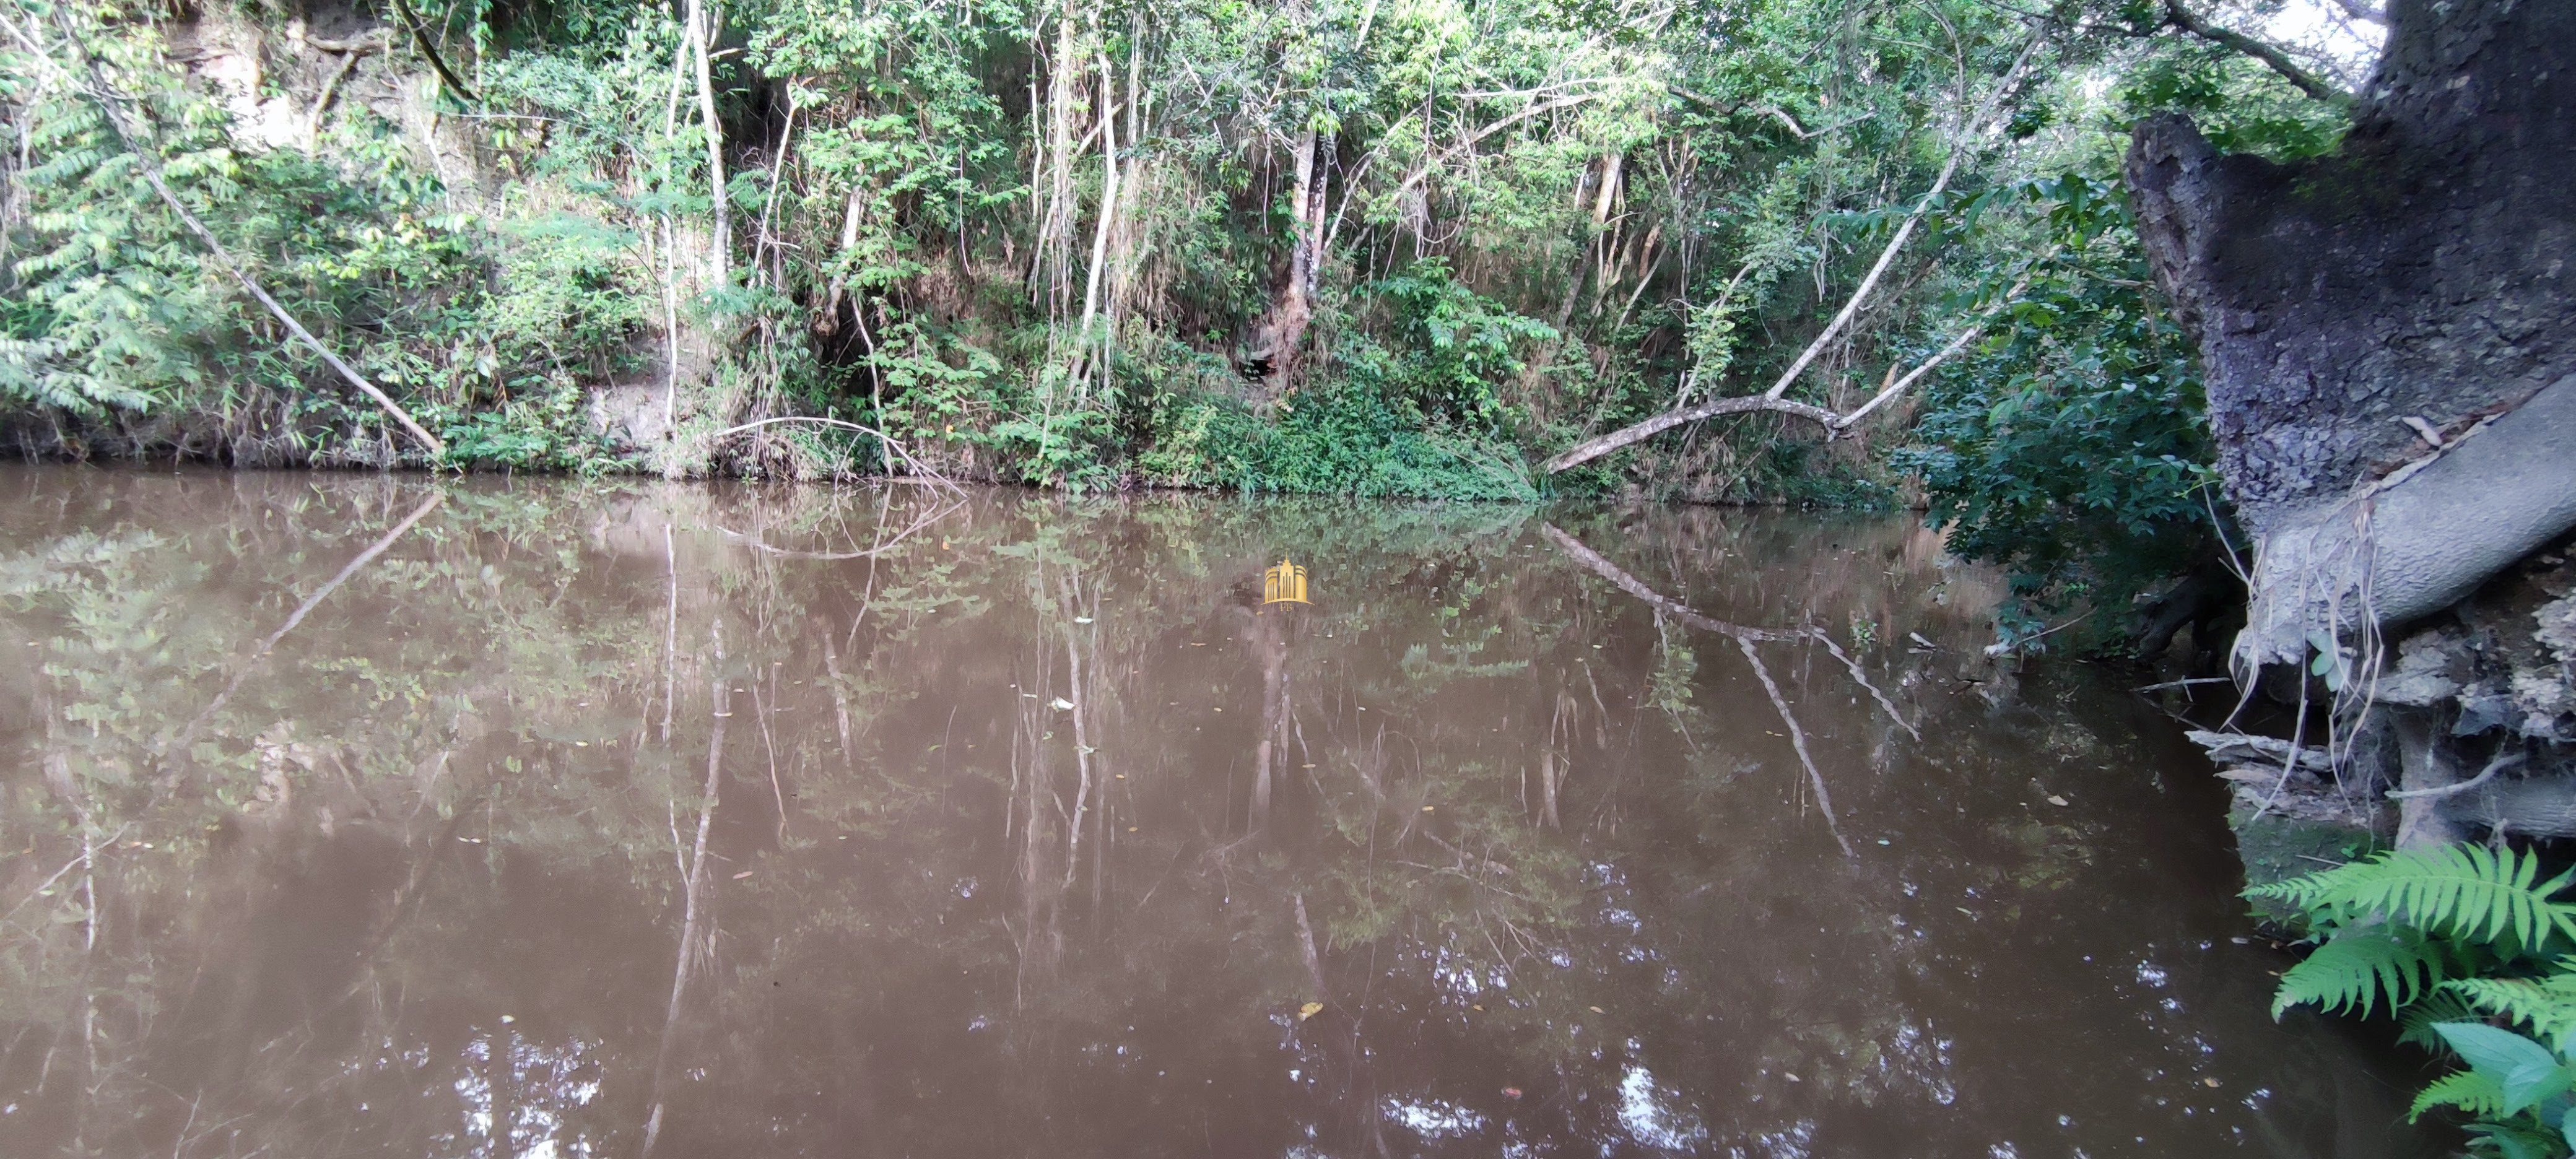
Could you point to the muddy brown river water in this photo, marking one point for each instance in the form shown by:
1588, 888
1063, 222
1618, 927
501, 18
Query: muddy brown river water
351, 815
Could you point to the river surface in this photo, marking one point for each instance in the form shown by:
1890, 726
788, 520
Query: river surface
352, 815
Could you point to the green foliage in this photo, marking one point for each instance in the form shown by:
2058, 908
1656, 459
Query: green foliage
109, 305
2415, 1022
2543, 1007
2239, 105
2465, 893
2468, 1091
1350, 439
1464, 347
2070, 446
2469, 947
1031, 242
2352, 972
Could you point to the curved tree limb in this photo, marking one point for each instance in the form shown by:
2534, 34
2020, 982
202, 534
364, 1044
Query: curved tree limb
1773, 399
1637, 433
1868, 282
1834, 424
1956, 345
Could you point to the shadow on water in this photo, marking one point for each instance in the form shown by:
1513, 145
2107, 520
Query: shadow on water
365, 815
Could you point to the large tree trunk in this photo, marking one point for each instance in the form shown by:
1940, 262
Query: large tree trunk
2411, 297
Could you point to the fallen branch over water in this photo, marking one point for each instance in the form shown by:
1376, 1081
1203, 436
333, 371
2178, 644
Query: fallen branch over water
1833, 423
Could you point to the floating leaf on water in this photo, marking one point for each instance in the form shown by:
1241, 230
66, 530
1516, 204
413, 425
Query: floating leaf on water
2056, 800
743, 874
1309, 1010
1059, 704
1082, 619
1595, 1009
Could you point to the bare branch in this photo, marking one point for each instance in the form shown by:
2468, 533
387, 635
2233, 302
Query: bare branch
2502, 762
1877, 270
1956, 345
2179, 16
1640, 432
428, 48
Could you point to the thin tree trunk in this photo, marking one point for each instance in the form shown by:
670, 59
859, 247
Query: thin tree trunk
702, 26
1099, 234
831, 321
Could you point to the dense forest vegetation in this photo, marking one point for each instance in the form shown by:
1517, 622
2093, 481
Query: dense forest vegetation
1410, 247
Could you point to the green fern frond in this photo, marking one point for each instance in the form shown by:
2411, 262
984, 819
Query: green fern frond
2464, 891
2444, 1004
2513, 1141
2467, 1091
2545, 1008
2357, 969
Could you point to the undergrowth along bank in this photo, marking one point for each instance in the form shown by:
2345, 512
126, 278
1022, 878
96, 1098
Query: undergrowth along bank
1382, 248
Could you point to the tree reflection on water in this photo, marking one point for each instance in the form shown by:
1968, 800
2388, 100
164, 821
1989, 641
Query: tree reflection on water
480, 817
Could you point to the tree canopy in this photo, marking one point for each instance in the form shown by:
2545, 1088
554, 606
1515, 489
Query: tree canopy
1394, 247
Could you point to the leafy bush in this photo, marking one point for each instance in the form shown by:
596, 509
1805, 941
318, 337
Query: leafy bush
2476, 957
2072, 447
1347, 438
1462, 346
